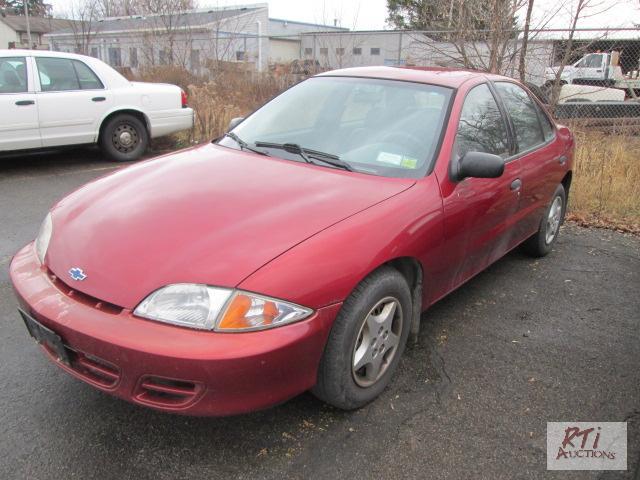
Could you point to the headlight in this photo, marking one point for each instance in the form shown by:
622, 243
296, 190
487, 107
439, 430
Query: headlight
43, 238
220, 309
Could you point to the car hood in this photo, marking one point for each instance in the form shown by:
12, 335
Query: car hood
208, 215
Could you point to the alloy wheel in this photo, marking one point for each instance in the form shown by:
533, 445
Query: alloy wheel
377, 342
553, 220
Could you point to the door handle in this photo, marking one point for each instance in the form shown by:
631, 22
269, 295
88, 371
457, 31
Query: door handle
562, 159
98, 99
516, 184
22, 103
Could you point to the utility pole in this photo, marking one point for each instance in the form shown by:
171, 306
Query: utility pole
26, 15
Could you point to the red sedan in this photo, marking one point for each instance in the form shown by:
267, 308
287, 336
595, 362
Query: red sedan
297, 251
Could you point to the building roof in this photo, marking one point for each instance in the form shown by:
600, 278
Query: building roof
18, 23
282, 27
591, 34
191, 19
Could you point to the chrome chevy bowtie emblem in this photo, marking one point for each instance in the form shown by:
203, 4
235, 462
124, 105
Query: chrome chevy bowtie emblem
77, 274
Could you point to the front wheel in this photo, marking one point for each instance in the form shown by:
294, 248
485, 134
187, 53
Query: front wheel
540, 244
366, 341
124, 138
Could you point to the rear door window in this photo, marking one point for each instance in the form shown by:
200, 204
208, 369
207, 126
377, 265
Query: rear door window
64, 74
524, 115
547, 127
57, 74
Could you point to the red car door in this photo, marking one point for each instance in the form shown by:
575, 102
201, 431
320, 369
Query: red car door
540, 153
479, 212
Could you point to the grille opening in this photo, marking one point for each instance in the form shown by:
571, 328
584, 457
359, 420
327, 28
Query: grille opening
83, 297
95, 369
167, 392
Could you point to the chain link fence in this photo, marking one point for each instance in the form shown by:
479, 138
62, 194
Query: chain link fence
585, 75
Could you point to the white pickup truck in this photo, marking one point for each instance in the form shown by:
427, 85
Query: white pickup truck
598, 69
50, 99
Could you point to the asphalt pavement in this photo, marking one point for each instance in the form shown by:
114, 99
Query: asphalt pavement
525, 342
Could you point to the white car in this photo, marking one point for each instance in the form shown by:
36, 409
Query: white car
50, 99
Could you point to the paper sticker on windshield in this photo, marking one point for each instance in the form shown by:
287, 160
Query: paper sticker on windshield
390, 158
408, 162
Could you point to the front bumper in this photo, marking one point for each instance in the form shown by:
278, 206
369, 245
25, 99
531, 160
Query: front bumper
166, 367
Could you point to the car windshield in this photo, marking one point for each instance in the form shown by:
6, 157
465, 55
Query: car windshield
382, 127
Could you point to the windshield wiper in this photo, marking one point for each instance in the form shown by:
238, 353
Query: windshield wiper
244, 145
307, 154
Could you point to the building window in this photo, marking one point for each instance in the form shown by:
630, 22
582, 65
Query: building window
324, 51
162, 57
240, 56
375, 51
149, 55
195, 59
133, 57
340, 51
115, 57
308, 51
94, 52
357, 51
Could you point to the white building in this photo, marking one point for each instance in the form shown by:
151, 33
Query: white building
13, 31
191, 39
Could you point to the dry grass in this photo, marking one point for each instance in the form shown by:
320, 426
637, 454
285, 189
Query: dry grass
229, 95
606, 182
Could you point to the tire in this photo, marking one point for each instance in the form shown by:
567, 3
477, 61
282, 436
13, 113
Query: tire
541, 243
117, 131
339, 383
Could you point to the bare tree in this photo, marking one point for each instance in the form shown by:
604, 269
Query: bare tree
166, 28
480, 35
83, 23
525, 42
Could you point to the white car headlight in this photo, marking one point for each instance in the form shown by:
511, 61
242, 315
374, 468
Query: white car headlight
219, 309
43, 238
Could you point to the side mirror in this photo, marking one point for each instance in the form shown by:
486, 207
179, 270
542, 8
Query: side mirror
479, 165
234, 123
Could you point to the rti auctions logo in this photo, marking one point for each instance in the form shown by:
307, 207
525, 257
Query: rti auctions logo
568, 449
586, 446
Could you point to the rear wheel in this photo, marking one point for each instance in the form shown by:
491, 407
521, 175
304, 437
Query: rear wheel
124, 138
366, 341
541, 243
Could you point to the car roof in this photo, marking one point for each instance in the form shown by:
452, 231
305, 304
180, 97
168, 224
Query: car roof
39, 53
447, 77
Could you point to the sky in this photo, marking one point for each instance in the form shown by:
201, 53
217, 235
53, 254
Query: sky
372, 14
